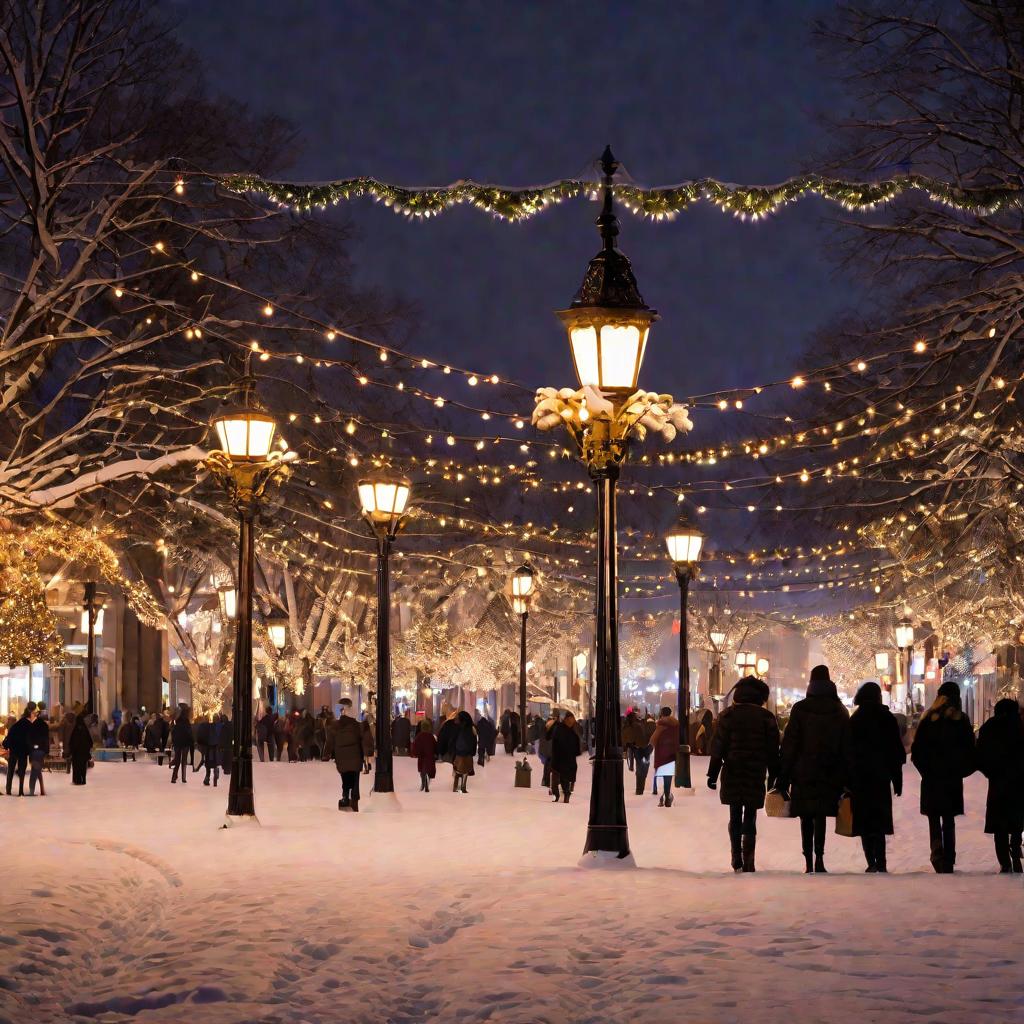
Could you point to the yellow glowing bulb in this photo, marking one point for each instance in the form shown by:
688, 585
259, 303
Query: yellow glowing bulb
473, 381
862, 366
330, 335
797, 382
268, 310
350, 428
919, 346
383, 355
723, 405
194, 276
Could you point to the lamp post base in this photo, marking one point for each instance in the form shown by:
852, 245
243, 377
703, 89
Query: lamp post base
683, 780
608, 807
604, 860
383, 782
240, 821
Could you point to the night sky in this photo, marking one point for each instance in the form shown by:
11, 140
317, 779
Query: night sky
520, 93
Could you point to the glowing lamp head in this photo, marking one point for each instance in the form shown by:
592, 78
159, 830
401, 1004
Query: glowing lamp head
522, 581
882, 662
97, 621
245, 435
228, 601
762, 666
520, 605
905, 634
746, 661
383, 499
608, 345
717, 639
277, 630
684, 542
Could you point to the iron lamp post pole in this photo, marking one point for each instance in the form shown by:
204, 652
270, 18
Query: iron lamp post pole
684, 574
383, 776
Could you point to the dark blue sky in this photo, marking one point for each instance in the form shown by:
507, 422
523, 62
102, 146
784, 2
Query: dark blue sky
518, 93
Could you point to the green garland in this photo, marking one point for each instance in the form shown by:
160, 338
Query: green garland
513, 204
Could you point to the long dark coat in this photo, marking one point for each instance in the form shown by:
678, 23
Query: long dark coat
565, 748
446, 740
745, 749
401, 733
876, 768
18, 740
943, 752
815, 755
424, 749
346, 744
1000, 755
487, 734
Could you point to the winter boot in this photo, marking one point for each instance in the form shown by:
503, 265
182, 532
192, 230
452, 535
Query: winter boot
566, 791
1002, 844
807, 842
1015, 849
737, 851
819, 845
455, 782
880, 865
354, 805
749, 847
464, 780
423, 782
426, 783
868, 846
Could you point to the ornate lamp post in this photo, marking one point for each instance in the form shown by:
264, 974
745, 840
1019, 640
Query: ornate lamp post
905, 643
684, 542
91, 624
522, 593
607, 324
245, 465
384, 498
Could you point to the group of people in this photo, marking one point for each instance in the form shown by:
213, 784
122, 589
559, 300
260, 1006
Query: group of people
827, 755
295, 736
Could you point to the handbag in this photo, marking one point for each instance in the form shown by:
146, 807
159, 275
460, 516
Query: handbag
844, 816
776, 807
524, 774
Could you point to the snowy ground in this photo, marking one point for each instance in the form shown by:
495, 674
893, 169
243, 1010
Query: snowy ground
125, 902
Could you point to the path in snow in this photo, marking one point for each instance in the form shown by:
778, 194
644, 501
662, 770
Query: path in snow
125, 902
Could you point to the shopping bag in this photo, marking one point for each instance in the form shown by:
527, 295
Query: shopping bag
844, 817
775, 806
524, 774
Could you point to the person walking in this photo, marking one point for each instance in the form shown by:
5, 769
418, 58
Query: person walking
80, 750
1000, 758
565, 748
182, 742
369, 743
943, 752
424, 749
544, 749
487, 736
401, 734
446, 738
211, 749
201, 739
129, 736
265, 734
510, 730
665, 744
67, 727
633, 738
815, 754
346, 745
40, 741
877, 757
745, 752
18, 744
464, 746
151, 734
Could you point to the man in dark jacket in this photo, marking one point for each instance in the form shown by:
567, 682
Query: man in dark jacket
401, 734
129, 736
182, 741
1001, 759
943, 752
510, 730
745, 751
209, 741
345, 743
18, 744
40, 741
487, 736
565, 748
876, 772
815, 755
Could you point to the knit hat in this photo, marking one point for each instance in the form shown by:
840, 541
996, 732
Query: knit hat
820, 674
869, 693
951, 692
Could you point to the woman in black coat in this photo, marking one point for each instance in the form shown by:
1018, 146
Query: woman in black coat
565, 748
815, 751
876, 764
80, 746
182, 742
464, 747
943, 752
1000, 756
745, 750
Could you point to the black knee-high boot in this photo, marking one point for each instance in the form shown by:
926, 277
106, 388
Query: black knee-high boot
819, 844
807, 843
880, 862
735, 841
868, 846
1002, 844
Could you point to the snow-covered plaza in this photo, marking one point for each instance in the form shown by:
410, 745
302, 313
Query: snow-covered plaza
126, 901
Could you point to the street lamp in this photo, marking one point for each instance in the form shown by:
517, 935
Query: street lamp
92, 623
762, 667
905, 642
882, 662
684, 542
228, 598
522, 592
746, 662
245, 465
383, 499
607, 326
277, 630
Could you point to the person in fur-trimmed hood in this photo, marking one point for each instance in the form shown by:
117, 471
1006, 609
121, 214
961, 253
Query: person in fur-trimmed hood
815, 753
943, 752
1001, 759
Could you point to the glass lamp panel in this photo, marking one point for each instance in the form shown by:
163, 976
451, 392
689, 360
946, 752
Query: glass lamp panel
520, 605
718, 639
583, 340
684, 546
228, 602
246, 436
620, 356
904, 636
522, 582
762, 666
882, 661
367, 498
278, 634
